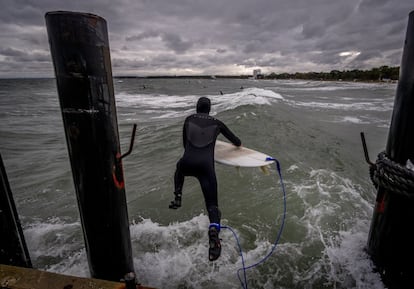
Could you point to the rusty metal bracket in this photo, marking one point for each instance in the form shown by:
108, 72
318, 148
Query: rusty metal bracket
131, 144
364, 146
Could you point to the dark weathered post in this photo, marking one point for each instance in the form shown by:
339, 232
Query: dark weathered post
13, 249
391, 240
80, 50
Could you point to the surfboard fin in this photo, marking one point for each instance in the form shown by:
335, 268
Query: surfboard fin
239, 171
265, 170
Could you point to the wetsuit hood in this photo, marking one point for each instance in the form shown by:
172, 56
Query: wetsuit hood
203, 105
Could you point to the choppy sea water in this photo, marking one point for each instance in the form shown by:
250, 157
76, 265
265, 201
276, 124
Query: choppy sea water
311, 127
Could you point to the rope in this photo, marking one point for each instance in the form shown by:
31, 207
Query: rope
279, 234
393, 177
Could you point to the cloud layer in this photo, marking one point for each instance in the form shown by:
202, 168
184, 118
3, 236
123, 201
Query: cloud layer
157, 37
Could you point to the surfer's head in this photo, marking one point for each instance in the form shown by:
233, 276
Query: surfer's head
203, 105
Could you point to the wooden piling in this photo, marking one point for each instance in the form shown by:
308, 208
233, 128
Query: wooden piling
13, 249
391, 241
80, 51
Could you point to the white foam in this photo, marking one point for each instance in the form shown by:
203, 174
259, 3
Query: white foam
335, 86
352, 106
327, 197
352, 119
176, 255
347, 259
74, 264
159, 106
51, 238
292, 168
361, 120
57, 246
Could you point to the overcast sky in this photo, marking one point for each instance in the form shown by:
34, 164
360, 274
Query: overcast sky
153, 37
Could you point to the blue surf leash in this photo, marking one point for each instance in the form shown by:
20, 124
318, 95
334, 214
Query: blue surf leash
279, 234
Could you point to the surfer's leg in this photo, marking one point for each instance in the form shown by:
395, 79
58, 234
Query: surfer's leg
209, 187
178, 186
208, 184
178, 179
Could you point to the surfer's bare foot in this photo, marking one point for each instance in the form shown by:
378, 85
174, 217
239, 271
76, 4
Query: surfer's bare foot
214, 249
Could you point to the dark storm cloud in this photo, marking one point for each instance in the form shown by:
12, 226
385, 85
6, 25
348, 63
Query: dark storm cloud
174, 42
11, 52
171, 40
215, 36
17, 56
143, 35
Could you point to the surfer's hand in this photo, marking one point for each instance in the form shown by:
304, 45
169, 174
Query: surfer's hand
176, 203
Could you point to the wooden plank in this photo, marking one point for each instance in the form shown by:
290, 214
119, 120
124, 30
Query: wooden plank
12, 277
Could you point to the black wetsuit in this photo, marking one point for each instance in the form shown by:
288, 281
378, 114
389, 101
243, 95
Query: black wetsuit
199, 137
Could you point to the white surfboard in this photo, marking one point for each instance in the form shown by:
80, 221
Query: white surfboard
228, 154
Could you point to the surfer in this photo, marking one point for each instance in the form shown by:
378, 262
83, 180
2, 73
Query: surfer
200, 132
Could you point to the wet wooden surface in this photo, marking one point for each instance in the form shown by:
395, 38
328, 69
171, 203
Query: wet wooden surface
23, 278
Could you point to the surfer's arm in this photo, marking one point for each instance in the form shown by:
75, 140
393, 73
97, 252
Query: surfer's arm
229, 135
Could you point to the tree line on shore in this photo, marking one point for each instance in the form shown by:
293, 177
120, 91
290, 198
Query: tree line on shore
383, 73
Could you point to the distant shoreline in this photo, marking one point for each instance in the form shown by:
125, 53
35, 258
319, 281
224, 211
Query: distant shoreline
249, 77
377, 74
217, 77
210, 78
